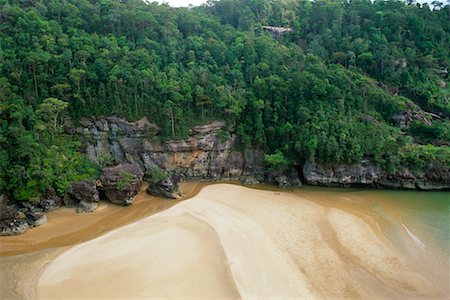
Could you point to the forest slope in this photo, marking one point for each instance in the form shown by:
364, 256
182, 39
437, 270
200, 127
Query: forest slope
352, 80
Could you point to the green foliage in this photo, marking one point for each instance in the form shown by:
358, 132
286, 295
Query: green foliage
276, 161
327, 91
223, 135
438, 131
125, 179
423, 157
37, 157
157, 174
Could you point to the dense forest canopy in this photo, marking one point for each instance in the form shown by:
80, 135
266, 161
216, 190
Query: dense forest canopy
329, 90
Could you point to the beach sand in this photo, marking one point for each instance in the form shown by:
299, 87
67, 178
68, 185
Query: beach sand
234, 242
67, 227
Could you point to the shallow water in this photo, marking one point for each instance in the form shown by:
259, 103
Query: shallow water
413, 224
415, 221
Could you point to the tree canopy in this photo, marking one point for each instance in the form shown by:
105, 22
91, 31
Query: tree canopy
329, 90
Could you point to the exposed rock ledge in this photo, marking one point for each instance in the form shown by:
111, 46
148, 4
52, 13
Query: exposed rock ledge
369, 174
202, 156
205, 156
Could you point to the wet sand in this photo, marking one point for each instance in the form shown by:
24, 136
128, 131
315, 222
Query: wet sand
23, 257
67, 227
234, 242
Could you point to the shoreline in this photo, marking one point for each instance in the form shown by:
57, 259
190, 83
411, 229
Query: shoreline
274, 245
66, 227
31, 240
24, 270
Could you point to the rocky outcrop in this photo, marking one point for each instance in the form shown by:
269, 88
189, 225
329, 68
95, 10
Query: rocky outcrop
288, 179
18, 216
204, 155
249, 180
369, 174
83, 195
51, 201
285, 179
167, 188
413, 113
34, 215
277, 31
122, 183
210, 152
11, 221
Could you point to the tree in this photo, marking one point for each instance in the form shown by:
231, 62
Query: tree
276, 161
51, 110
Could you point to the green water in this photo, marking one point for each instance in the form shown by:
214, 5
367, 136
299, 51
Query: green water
418, 223
426, 215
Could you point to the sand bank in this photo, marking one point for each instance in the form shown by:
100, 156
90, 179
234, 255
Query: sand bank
234, 242
67, 227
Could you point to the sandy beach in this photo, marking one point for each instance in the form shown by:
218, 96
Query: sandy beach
235, 242
232, 242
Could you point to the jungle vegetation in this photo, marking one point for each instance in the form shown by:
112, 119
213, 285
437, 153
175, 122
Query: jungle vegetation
330, 90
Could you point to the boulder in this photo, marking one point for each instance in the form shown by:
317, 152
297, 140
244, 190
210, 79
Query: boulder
81, 195
51, 202
86, 206
167, 188
34, 215
288, 180
122, 183
11, 221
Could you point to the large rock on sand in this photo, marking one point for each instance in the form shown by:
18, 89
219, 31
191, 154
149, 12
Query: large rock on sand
11, 221
122, 183
167, 188
83, 195
51, 201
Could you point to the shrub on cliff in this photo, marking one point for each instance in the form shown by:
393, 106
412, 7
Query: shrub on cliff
276, 162
157, 174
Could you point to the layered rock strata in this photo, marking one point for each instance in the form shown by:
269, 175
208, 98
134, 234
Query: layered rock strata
368, 173
121, 183
204, 155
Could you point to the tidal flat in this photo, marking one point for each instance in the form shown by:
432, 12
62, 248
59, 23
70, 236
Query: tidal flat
231, 241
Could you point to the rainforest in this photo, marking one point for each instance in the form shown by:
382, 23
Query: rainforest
331, 82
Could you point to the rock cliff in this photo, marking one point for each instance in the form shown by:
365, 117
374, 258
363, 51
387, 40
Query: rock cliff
368, 173
205, 154
208, 154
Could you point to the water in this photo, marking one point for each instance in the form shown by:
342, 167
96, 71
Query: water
417, 223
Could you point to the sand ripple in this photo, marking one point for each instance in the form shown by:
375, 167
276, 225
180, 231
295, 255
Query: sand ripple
234, 242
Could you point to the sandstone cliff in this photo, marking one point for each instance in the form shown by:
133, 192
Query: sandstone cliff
368, 173
209, 155
203, 155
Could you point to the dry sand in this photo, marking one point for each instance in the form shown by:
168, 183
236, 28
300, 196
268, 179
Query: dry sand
235, 242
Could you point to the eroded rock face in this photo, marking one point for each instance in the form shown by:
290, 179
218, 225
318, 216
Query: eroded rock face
249, 180
51, 202
167, 188
289, 179
34, 215
369, 174
11, 221
205, 154
209, 154
122, 183
83, 195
